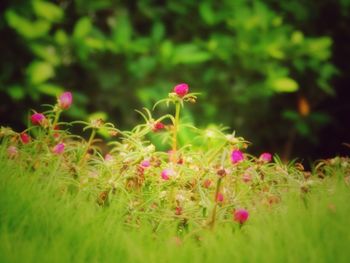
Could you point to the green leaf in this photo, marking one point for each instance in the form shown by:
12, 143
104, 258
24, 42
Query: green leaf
40, 71
48, 11
50, 89
82, 28
284, 84
189, 54
26, 28
122, 30
47, 53
16, 92
158, 31
206, 12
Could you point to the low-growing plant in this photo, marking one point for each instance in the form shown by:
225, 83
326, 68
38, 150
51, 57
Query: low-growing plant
195, 186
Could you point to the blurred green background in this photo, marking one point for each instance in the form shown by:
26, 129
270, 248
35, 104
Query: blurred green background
274, 71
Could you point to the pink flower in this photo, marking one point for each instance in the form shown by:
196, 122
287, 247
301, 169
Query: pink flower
12, 151
236, 156
181, 89
158, 126
167, 173
25, 138
145, 163
265, 157
38, 119
58, 149
65, 100
220, 198
240, 215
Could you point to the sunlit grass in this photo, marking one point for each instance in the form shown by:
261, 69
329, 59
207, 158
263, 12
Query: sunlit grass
40, 223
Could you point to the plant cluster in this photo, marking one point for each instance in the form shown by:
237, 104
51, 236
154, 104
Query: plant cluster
217, 182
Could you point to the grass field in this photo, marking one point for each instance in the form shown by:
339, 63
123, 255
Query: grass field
41, 223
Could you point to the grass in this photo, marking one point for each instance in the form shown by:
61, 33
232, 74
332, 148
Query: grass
41, 223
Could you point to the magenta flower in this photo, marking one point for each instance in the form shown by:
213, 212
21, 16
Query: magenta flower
265, 157
167, 173
65, 100
158, 126
145, 163
236, 156
240, 215
181, 89
38, 119
58, 149
25, 138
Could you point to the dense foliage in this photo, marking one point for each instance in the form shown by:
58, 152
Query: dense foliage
256, 70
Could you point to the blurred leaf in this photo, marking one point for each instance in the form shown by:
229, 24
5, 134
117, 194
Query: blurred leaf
303, 128
98, 115
284, 84
158, 31
25, 27
40, 71
50, 89
320, 118
61, 37
82, 28
320, 48
16, 92
47, 53
291, 115
189, 54
122, 30
207, 13
47, 10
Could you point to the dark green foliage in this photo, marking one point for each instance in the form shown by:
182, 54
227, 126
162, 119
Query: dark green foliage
247, 61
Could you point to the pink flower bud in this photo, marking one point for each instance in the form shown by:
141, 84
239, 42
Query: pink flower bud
25, 138
178, 210
145, 163
58, 149
38, 119
236, 156
109, 158
65, 100
265, 157
12, 152
167, 173
181, 89
158, 126
220, 198
240, 215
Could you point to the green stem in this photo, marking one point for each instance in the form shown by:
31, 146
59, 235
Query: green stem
213, 216
176, 126
57, 116
211, 158
92, 136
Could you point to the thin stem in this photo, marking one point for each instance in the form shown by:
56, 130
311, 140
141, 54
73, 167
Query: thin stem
211, 158
176, 126
213, 216
92, 136
57, 116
